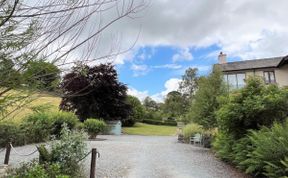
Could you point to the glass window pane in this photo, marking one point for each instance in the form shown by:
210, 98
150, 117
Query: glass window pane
241, 80
266, 77
272, 77
232, 80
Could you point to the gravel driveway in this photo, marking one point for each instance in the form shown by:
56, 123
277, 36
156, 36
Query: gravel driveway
149, 157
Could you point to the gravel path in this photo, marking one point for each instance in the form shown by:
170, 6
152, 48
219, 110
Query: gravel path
148, 157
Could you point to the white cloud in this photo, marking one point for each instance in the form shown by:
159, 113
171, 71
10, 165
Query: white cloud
141, 95
139, 70
168, 66
170, 85
244, 28
182, 55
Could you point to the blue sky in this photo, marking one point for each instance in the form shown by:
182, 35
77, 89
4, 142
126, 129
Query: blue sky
175, 35
172, 35
151, 67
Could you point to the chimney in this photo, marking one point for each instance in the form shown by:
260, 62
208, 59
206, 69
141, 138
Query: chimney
222, 58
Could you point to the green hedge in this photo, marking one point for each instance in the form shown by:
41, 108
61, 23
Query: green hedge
262, 153
36, 128
158, 122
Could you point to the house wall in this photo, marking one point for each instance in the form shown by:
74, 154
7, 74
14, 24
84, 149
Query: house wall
282, 76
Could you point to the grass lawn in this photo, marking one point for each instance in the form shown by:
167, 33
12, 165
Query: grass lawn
150, 130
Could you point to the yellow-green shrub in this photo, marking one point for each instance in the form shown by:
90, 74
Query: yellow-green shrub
191, 129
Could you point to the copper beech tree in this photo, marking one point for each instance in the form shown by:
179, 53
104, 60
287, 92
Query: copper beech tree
95, 92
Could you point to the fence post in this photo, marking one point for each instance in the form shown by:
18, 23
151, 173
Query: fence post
7, 155
93, 163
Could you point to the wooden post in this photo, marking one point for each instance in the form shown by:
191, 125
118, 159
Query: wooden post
7, 155
93, 163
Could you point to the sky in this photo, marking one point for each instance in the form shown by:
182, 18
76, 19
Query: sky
168, 36
176, 35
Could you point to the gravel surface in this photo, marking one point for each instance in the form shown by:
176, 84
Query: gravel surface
148, 157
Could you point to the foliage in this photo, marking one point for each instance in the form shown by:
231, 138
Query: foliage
253, 106
33, 170
189, 83
190, 130
59, 118
95, 92
66, 152
269, 152
37, 127
150, 130
175, 104
41, 75
153, 115
150, 104
205, 102
137, 113
10, 131
223, 144
94, 126
160, 122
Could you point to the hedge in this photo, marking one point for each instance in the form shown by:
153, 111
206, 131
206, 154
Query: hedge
158, 122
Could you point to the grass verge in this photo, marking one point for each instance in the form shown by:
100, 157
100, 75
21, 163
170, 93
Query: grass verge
150, 130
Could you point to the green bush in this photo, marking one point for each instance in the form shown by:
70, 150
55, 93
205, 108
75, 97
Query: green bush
94, 127
190, 130
11, 132
223, 144
160, 122
66, 152
37, 127
59, 118
269, 153
35, 170
254, 106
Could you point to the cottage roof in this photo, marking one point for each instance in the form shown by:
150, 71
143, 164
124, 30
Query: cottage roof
254, 64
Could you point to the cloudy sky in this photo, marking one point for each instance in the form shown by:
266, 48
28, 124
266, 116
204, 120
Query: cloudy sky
173, 35
176, 35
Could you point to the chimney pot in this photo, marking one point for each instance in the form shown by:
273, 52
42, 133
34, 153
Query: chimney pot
222, 58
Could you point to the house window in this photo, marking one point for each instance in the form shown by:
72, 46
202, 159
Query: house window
235, 80
269, 77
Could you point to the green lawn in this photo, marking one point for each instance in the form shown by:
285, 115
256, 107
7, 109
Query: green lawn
150, 130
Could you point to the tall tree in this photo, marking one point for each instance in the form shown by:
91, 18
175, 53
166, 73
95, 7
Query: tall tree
42, 75
175, 104
150, 104
95, 92
205, 103
189, 83
137, 113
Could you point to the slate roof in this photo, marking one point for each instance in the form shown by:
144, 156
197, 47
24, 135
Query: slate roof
252, 64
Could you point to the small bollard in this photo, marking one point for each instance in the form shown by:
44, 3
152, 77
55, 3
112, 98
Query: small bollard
93, 163
7, 155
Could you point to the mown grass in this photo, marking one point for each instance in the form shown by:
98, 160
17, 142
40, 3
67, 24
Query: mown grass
150, 130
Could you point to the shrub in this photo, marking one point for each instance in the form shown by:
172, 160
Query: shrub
94, 127
33, 170
11, 132
59, 118
208, 137
190, 130
66, 152
223, 144
254, 106
160, 122
269, 153
37, 127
